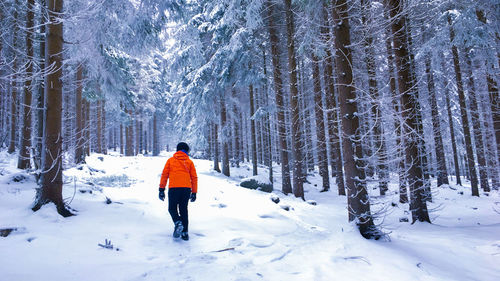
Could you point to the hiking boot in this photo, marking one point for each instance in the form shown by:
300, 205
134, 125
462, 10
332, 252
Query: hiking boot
178, 229
185, 236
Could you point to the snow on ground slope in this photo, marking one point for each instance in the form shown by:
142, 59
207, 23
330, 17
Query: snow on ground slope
236, 233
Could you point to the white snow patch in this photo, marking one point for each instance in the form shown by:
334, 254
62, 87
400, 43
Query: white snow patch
236, 233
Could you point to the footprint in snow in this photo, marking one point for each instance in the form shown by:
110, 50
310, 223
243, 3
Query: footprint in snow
220, 205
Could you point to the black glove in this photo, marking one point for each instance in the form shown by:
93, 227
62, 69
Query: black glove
162, 194
193, 197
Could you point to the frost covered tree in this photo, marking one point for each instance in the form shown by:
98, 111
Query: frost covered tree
409, 102
358, 202
360, 92
51, 183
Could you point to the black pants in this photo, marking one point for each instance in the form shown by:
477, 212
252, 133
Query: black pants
178, 199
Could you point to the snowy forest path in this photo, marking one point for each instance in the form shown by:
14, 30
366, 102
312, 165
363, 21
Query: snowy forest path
229, 225
240, 233
235, 233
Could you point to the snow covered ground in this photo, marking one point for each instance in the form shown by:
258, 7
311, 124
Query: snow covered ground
236, 233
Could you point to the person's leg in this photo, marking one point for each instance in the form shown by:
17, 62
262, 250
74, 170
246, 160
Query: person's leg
173, 202
183, 206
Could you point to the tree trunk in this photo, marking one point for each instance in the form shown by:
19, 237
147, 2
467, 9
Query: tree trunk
99, 127
320, 125
25, 148
13, 88
50, 189
476, 126
278, 88
332, 122
398, 125
418, 205
378, 134
491, 147
495, 105
104, 141
463, 113
129, 135
141, 138
442, 172
79, 155
358, 200
307, 143
298, 161
156, 139
66, 122
236, 131
216, 147
269, 153
224, 136
137, 135
495, 110
146, 141
422, 150
3, 94
252, 129
258, 126
88, 141
452, 130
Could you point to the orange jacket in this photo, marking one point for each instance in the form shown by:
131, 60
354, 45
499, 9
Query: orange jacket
181, 172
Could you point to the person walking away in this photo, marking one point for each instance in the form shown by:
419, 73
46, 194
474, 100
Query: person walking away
183, 186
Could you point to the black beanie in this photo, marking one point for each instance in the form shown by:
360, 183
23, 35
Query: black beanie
183, 146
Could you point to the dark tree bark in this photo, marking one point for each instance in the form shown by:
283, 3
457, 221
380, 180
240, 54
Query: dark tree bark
258, 126
146, 141
224, 136
104, 141
88, 141
99, 136
137, 135
476, 126
398, 125
121, 140
269, 154
66, 121
306, 123
495, 110
252, 128
141, 136
418, 205
357, 200
129, 135
378, 134
156, 138
422, 150
3, 99
215, 131
50, 189
278, 89
79, 154
13, 88
494, 101
25, 148
452, 129
320, 125
246, 138
306, 143
442, 172
298, 161
236, 130
333, 123
463, 113
492, 149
